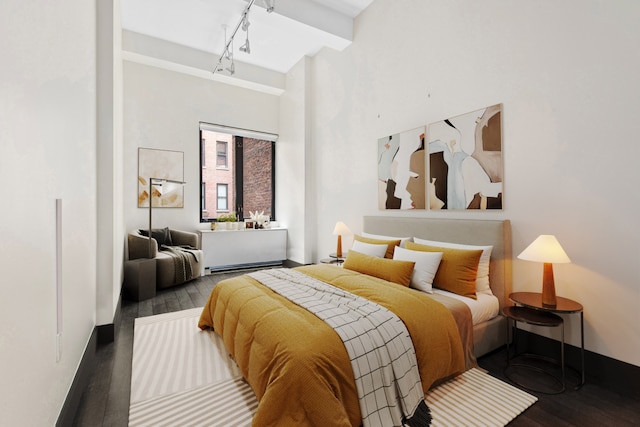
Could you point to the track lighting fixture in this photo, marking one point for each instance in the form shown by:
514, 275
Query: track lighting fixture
244, 23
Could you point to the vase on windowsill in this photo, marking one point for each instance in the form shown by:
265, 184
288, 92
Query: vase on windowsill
260, 220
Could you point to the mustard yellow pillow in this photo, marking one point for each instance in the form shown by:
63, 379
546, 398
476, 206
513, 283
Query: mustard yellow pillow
388, 269
457, 271
391, 244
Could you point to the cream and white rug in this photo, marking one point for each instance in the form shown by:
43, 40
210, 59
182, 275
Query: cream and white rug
182, 376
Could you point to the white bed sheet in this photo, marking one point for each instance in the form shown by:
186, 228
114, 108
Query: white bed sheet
486, 307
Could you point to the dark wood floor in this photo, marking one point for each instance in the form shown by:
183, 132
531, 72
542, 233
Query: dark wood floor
105, 402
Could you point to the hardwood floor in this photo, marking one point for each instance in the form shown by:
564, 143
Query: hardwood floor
590, 405
105, 402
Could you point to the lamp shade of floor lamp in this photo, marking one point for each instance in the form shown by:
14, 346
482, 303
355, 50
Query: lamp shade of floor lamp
340, 230
163, 184
546, 249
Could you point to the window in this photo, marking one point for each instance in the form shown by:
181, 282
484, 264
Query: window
203, 199
203, 145
243, 180
221, 154
222, 199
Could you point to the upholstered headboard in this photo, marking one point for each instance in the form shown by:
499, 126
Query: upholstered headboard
469, 231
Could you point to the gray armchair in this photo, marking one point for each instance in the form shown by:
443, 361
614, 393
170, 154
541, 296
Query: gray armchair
177, 258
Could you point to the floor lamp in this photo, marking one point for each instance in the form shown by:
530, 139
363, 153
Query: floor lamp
158, 182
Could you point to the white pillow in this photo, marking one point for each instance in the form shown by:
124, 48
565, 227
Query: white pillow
370, 248
482, 278
403, 240
425, 268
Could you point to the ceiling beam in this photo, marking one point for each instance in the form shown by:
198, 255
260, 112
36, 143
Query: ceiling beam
154, 52
315, 15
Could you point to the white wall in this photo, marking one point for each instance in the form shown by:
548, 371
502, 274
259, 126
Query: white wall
566, 74
110, 248
162, 110
47, 151
295, 207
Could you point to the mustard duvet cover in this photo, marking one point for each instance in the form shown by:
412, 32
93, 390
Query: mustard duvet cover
297, 365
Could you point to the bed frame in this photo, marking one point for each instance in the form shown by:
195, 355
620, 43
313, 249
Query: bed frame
490, 335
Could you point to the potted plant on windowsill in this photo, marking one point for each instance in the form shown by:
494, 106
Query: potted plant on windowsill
227, 221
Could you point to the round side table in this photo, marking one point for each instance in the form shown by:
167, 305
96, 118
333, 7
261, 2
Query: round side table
533, 300
334, 259
538, 318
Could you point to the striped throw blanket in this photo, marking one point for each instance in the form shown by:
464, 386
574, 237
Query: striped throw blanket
182, 257
377, 341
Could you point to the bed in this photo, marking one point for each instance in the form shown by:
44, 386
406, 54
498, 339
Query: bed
488, 335
298, 366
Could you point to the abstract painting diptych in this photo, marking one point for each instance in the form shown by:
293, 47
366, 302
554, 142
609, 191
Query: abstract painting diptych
455, 165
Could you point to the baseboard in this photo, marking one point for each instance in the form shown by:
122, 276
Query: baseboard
102, 334
291, 264
107, 333
237, 267
80, 381
612, 374
247, 266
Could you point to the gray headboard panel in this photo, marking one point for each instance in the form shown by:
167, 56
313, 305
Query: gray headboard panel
469, 231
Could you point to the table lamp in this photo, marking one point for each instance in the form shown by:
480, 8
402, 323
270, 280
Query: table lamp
547, 250
339, 230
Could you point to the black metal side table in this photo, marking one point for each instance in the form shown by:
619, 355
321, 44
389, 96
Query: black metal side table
334, 259
538, 318
563, 305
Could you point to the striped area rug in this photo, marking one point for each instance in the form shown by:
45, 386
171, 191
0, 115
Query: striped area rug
225, 403
171, 355
184, 376
475, 398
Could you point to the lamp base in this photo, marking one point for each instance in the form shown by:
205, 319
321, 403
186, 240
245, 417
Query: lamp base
339, 248
548, 286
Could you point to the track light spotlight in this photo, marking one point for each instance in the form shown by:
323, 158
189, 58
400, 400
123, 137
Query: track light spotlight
269, 5
245, 22
246, 48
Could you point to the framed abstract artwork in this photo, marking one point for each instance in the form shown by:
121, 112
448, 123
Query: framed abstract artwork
465, 161
161, 164
402, 170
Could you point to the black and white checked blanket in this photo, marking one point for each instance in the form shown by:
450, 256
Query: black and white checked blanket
378, 343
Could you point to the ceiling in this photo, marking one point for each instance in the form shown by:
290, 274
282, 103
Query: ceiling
296, 28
